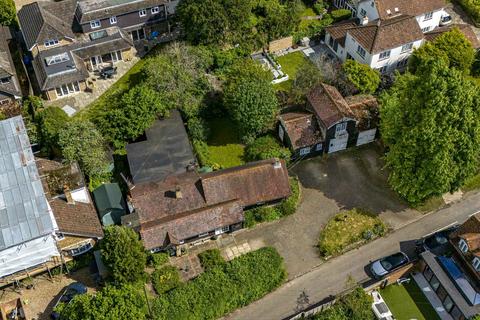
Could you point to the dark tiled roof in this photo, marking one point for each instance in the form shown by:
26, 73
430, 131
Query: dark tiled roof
7, 68
302, 129
464, 28
365, 110
328, 104
118, 40
338, 31
470, 232
381, 35
410, 7
89, 10
42, 21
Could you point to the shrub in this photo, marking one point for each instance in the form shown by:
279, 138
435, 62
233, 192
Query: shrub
364, 78
341, 14
472, 7
223, 289
156, 260
355, 305
319, 7
165, 279
203, 154
210, 259
289, 205
50, 121
197, 129
266, 147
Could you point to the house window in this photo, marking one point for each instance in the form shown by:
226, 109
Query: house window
142, 13
341, 127
476, 263
155, 10
67, 89
462, 244
330, 42
58, 58
113, 20
384, 55
383, 69
319, 147
51, 43
80, 250
426, 29
95, 24
407, 47
402, 63
434, 283
372, 4
5, 80
456, 314
138, 34
363, 13
304, 151
428, 16
361, 52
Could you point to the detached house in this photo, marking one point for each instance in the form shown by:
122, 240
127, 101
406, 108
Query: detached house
71, 39
9, 86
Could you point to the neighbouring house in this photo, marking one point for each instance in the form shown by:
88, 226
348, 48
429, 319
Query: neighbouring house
164, 150
451, 282
9, 86
329, 122
71, 39
27, 226
464, 28
78, 225
110, 204
383, 33
192, 206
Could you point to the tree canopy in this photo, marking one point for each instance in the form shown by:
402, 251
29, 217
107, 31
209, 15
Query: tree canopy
430, 125
50, 121
8, 13
266, 147
361, 76
123, 254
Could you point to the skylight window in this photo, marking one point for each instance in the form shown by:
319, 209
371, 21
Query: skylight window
58, 58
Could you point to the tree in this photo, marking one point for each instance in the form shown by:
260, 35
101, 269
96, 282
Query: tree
110, 303
364, 78
50, 121
80, 141
123, 254
430, 125
136, 112
251, 101
8, 13
307, 77
266, 147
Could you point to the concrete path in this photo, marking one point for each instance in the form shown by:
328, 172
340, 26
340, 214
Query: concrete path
330, 277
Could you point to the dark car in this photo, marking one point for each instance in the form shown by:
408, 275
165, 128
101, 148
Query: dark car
381, 267
72, 290
435, 241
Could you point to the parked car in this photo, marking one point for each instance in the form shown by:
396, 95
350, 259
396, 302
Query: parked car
445, 20
72, 290
381, 267
435, 241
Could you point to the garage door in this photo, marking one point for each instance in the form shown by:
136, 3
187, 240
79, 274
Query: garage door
340, 143
365, 137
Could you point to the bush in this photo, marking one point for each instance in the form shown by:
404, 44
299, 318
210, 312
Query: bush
224, 288
355, 305
266, 147
319, 7
203, 154
197, 129
210, 259
341, 14
472, 7
165, 279
289, 205
364, 78
156, 260
50, 121
77, 263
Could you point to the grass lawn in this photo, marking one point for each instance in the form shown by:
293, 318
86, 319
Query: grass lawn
290, 64
430, 204
224, 146
349, 227
472, 183
408, 302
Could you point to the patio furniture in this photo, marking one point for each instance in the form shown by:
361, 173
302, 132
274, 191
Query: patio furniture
108, 72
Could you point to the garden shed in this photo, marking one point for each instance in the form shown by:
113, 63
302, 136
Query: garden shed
110, 203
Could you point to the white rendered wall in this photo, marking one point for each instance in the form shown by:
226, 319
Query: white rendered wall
396, 55
431, 23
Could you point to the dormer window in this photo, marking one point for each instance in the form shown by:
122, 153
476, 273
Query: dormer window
384, 55
407, 47
5, 80
51, 43
142, 13
95, 24
155, 10
462, 244
476, 263
113, 20
428, 16
58, 58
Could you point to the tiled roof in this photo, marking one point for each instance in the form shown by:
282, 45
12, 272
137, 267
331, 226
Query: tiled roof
338, 31
328, 104
302, 129
365, 110
464, 28
381, 35
410, 7
470, 232
7, 68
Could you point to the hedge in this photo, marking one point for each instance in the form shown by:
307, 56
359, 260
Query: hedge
223, 288
341, 14
472, 7
156, 260
266, 147
210, 259
165, 279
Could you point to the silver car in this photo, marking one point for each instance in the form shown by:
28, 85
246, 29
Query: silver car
381, 267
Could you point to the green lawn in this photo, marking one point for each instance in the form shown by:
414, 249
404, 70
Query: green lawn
290, 64
224, 146
431, 204
472, 183
408, 302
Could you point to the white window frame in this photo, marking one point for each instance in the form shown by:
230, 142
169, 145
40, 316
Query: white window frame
155, 10
463, 246
341, 127
428, 16
363, 12
384, 55
361, 52
426, 29
402, 63
383, 69
94, 24
407, 47
476, 263
50, 43
304, 151
142, 13
58, 58
67, 89
319, 147
113, 20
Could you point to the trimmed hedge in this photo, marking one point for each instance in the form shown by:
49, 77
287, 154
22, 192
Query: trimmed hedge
210, 259
341, 14
472, 8
266, 147
165, 279
223, 288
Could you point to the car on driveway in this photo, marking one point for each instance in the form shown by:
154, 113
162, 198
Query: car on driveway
446, 20
381, 267
435, 241
72, 290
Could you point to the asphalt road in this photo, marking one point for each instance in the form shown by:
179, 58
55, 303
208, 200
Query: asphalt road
330, 278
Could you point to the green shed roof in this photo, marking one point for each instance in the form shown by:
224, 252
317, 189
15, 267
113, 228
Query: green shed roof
108, 199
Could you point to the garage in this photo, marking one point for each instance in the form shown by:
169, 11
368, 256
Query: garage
367, 136
338, 144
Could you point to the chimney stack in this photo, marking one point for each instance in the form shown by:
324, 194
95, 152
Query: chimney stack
277, 164
178, 193
364, 21
68, 194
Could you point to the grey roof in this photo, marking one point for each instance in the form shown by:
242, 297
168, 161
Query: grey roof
109, 201
116, 40
23, 207
7, 68
88, 10
41, 21
166, 151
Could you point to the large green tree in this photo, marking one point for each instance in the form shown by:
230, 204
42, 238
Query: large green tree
50, 121
8, 14
430, 125
361, 76
123, 254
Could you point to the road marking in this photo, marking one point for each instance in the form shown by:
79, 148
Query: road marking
474, 213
